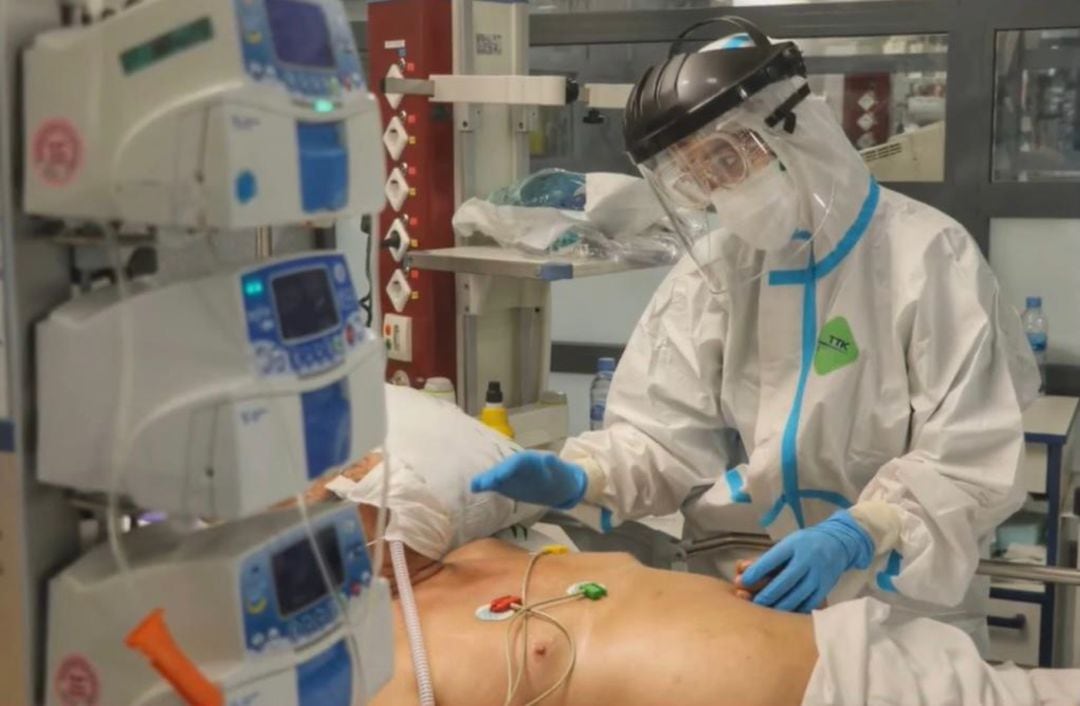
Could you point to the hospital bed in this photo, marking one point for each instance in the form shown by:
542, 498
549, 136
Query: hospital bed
1014, 631
987, 567
657, 548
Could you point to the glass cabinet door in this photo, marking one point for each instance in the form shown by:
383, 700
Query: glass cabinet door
557, 6
888, 94
1037, 106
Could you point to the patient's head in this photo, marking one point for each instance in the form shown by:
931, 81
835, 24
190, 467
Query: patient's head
318, 492
435, 449
419, 566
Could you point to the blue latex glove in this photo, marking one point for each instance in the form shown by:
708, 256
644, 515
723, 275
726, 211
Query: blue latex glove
535, 477
809, 562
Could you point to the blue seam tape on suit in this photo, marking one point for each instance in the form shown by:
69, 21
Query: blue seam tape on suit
891, 571
736, 485
808, 278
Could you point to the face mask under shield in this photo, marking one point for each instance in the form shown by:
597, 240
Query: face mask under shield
725, 180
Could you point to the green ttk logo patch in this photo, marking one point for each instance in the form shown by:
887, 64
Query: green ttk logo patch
836, 347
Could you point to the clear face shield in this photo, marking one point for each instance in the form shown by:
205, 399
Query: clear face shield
726, 180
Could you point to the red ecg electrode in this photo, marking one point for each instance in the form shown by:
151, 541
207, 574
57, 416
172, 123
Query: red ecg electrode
504, 604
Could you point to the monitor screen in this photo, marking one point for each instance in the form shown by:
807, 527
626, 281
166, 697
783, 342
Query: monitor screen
297, 578
301, 35
305, 303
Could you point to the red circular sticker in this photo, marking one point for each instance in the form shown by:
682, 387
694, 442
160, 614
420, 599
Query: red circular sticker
57, 152
76, 682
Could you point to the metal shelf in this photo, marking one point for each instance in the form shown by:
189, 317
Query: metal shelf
1047, 58
502, 262
1040, 166
923, 62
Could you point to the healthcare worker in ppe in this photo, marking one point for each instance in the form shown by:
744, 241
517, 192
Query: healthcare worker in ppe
854, 339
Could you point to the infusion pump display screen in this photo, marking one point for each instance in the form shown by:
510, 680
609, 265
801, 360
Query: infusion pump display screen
301, 35
305, 303
297, 578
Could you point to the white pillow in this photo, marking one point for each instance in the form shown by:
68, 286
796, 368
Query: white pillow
435, 449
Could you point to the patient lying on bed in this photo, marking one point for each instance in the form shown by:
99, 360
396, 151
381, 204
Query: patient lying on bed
658, 637
662, 638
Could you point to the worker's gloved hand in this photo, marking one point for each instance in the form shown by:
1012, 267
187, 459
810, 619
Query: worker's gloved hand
535, 477
805, 565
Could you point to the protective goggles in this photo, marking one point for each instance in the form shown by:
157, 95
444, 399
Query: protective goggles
692, 169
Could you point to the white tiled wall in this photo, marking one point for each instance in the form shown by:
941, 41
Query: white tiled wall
1042, 257
599, 310
576, 389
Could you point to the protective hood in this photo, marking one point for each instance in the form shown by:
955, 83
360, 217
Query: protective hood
829, 175
759, 158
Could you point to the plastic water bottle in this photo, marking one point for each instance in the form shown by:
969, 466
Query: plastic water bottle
1035, 326
605, 368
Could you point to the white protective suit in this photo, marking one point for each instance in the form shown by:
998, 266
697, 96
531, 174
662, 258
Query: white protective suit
867, 656
878, 364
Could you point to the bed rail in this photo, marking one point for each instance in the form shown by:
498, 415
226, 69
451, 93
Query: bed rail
987, 567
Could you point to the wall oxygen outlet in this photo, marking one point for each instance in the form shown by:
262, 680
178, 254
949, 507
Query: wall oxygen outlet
397, 332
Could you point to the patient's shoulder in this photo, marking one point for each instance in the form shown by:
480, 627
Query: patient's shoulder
604, 560
483, 549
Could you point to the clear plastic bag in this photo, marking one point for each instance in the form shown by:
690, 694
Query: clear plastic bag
550, 188
569, 214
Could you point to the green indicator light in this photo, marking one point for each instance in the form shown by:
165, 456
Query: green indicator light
253, 287
323, 106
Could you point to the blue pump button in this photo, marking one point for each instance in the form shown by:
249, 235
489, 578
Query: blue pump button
246, 186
